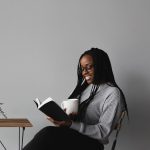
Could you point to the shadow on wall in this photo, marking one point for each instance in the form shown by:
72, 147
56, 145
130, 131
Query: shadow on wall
138, 100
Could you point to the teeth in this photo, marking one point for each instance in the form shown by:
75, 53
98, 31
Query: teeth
87, 78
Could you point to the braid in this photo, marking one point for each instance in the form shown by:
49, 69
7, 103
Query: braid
83, 106
124, 99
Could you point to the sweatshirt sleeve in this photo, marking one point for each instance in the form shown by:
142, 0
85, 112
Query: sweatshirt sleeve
109, 115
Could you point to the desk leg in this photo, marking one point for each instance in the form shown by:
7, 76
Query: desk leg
21, 136
3, 145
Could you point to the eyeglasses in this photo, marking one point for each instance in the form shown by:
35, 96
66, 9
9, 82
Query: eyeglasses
88, 68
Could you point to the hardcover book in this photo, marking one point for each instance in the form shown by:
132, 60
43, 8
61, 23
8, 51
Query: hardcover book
50, 108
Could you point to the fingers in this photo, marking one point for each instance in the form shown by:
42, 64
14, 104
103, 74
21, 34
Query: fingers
57, 123
72, 114
64, 110
50, 119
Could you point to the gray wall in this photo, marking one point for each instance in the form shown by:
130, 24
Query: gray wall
41, 41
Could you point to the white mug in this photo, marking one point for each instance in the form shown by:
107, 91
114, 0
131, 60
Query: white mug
70, 105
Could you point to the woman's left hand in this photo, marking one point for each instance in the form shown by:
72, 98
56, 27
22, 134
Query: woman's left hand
60, 123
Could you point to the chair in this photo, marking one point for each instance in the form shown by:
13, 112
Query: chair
117, 129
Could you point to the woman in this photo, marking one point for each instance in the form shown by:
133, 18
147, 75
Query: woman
101, 104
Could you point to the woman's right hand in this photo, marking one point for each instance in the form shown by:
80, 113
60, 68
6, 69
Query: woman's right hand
60, 123
72, 115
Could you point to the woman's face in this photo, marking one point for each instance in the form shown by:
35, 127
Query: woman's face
87, 68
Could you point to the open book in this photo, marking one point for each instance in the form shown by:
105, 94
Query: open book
51, 109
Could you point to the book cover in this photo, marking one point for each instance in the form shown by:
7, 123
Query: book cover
51, 109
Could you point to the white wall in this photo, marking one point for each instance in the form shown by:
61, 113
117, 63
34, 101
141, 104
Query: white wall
41, 41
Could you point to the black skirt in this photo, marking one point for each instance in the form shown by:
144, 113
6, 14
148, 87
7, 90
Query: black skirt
62, 138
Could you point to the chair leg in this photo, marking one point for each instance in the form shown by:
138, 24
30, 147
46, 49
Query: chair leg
2, 145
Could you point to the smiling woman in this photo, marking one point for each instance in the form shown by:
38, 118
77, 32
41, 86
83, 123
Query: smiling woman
101, 103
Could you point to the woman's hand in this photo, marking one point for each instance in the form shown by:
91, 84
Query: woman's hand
60, 123
72, 115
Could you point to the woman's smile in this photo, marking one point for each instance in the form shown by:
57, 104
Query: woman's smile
87, 68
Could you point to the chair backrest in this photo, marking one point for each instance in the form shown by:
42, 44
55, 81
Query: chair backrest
117, 129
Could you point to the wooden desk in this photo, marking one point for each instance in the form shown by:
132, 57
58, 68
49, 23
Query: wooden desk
16, 122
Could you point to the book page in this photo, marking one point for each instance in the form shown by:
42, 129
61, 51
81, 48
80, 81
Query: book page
45, 101
37, 102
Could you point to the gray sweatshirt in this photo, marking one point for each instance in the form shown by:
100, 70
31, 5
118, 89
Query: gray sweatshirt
102, 113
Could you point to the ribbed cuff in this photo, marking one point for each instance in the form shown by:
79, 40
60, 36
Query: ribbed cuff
76, 126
